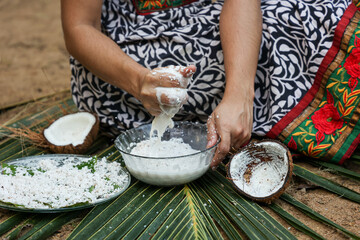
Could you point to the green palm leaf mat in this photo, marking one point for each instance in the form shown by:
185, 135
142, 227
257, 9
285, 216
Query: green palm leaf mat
314, 215
144, 211
295, 223
208, 208
12, 221
248, 216
336, 168
326, 184
42, 225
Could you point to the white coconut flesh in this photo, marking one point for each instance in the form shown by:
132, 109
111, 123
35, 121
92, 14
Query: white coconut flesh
257, 177
70, 129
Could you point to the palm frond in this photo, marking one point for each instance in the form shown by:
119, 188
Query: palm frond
295, 223
314, 215
12, 221
337, 169
208, 208
326, 183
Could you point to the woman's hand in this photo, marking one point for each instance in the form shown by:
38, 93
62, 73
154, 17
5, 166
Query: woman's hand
232, 122
164, 77
240, 34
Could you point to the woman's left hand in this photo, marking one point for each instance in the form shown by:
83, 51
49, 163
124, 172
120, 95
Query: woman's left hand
240, 34
232, 122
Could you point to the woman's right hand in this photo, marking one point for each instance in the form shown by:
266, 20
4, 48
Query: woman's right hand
163, 77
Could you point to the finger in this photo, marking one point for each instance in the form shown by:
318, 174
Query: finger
169, 101
171, 81
221, 151
154, 112
171, 96
212, 136
237, 143
240, 137
188, 71
236, 146
185, 99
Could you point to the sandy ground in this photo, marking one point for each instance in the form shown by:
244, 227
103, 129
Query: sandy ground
34, 63
33, 58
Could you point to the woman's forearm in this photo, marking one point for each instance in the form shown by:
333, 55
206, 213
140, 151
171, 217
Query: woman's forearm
240, 33
97, 52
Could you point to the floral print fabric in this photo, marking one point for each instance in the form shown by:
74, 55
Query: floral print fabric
327, 127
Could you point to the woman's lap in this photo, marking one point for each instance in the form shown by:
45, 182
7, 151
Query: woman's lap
296, 36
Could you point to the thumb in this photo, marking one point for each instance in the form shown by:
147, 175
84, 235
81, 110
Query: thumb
212, 136
188, 71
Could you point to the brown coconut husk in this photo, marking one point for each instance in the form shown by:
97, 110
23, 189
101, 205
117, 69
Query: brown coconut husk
32, 136
37, 138
253, 150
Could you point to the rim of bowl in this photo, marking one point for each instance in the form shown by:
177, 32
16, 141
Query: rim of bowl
181, 156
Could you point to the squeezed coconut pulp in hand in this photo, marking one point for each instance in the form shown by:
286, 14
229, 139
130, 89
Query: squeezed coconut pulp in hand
154, 147
176, 97
169, 169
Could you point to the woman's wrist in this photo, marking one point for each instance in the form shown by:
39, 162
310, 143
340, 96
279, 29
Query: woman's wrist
129, 77
239, 91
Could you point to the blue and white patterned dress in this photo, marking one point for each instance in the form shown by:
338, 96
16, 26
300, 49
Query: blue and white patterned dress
296, 36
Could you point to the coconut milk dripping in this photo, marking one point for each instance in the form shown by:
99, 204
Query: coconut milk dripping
174, 170
154, 147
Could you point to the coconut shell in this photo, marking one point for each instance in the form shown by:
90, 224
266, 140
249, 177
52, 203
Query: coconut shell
252, 149
78, 149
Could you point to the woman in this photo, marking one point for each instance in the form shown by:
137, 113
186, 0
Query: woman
238, 87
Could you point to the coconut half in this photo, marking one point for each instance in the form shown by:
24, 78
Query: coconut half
261, 170
73, 133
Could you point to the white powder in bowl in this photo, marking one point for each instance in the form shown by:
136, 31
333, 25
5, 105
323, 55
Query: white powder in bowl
152, 147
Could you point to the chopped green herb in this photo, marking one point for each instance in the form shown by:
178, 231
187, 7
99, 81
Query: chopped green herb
11, 167
40, 170
89, 164
47, 204
31, 172
12, 204
91, 188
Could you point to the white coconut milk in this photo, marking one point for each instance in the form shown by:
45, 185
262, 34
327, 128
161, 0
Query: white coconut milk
167, 168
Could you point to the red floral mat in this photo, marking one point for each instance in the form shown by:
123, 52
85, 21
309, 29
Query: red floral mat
325, 124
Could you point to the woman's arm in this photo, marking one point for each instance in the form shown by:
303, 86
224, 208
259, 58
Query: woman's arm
240, 34
97, 52
104, 58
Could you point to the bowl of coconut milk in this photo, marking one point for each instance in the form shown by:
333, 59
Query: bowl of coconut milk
176, 157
